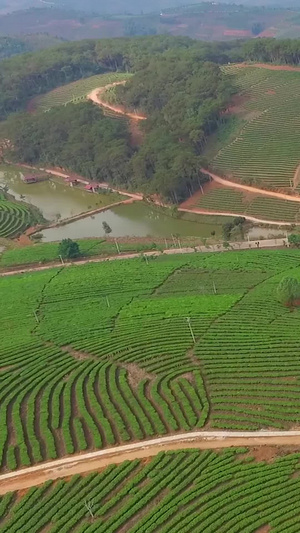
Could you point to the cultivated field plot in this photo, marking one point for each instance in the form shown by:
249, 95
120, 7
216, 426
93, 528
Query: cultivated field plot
265, 152
176, 492
76, 91
14, 218
100, 354
261, 207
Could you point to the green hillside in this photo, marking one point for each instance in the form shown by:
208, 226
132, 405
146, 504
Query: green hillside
263, 207
15, 218
264, 151
103, 353
76, 91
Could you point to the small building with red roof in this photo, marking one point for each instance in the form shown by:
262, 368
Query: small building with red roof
29, 178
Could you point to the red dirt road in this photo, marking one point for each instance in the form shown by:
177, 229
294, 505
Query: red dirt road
197, 211
93, 461
95, 96
268, 67
248, 188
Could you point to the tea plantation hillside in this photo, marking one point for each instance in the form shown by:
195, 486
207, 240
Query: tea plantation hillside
175, 492
15, 218
76, 91
107, 353
264, 148
263, 207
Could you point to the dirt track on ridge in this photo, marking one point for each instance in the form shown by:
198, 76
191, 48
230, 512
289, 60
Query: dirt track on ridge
248, 188
93, 461
95, 96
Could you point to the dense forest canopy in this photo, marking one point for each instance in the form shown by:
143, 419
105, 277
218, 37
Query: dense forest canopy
27, 75
78, 136
24, 76
11, 46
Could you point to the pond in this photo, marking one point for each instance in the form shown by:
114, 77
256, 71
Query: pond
53, 197
138, 219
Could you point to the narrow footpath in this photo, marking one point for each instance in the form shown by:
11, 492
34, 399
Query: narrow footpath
91, 461
244, 245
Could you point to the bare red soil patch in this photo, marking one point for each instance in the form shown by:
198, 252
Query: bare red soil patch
268, 33
236, 104
266, 453
263, 529
193, 200
237, 33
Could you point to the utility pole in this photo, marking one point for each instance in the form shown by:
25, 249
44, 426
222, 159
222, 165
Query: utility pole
117, 246
214, 286
191, 329
35, 316
146, 259
107, 301
61, 259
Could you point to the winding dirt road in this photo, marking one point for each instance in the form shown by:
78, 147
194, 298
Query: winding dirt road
95, 96
87, 462
248, 188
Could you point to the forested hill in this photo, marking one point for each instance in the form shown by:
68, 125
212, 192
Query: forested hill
27, 75
183, 98
185, 94
24, 76
177, 82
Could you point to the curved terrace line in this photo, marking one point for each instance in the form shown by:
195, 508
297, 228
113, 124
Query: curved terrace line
197, 211
86, 462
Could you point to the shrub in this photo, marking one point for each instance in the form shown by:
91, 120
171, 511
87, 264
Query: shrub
68, 249
288, 291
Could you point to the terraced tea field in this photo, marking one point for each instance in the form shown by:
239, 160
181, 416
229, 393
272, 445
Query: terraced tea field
14, 218
176, 492
76, 91
107, 353
261, 207
265, 152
